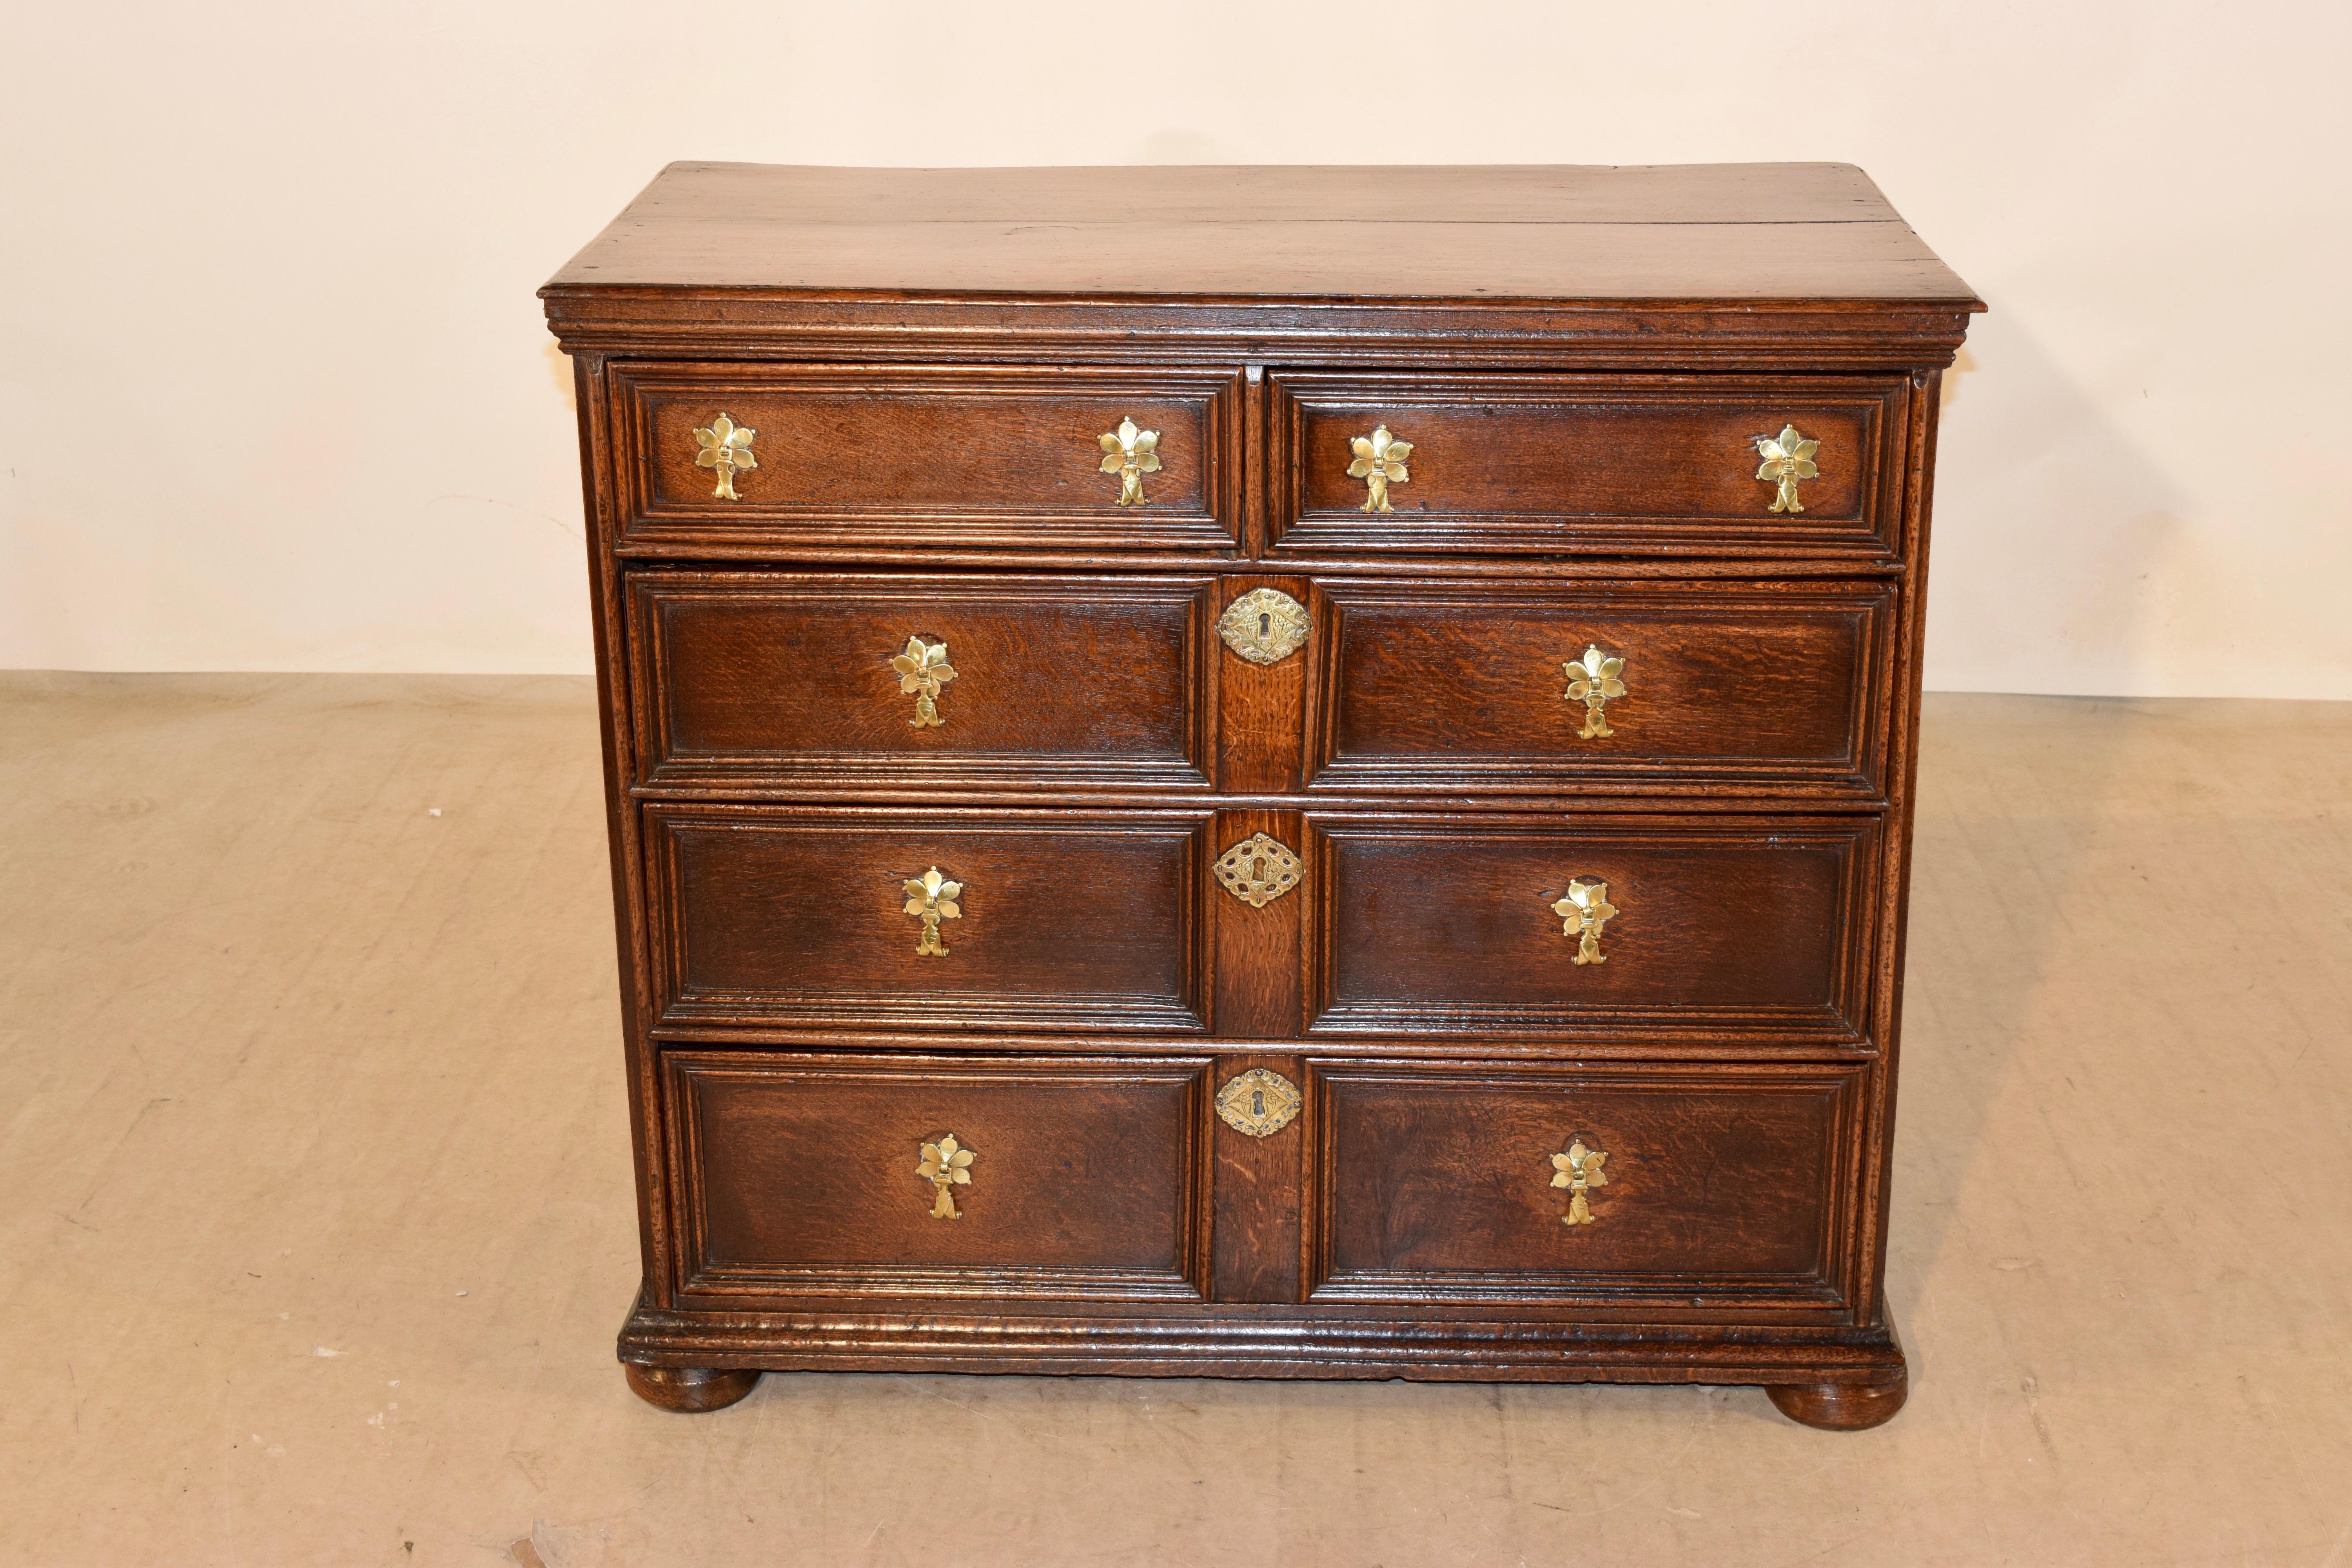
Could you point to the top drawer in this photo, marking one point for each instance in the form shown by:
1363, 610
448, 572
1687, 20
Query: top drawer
1592, 464
872, 459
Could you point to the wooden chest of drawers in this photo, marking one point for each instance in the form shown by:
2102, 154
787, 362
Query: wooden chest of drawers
1261, 772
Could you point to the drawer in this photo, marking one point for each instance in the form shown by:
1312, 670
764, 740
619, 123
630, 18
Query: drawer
1724, 1187
792, 916
751, 679
868, 459
1431, 686
806, 1175
1700, 926
1597, 464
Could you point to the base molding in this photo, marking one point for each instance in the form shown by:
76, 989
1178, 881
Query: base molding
1845, 1378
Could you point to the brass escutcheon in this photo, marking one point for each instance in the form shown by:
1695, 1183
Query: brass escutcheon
1259, 871
1264, 625
1258, 1102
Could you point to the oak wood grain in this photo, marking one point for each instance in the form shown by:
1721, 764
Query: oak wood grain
1430, 685
1721, 231
1436, 1184
779, 679
1582, 358
799, 1176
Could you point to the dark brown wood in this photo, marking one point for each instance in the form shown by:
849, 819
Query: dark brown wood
797, 1177
877, 456
1729, 231
1584, 359
1841, 1406
1260, 952
689, 1390
783, 679
1437, 685
1067, 920
1259, 1190
1725, 925
1538, 464
1434, 1182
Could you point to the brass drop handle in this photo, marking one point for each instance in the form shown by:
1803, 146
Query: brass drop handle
932, 899
726, 446
1788, 458
947, 1165
1379, 463
923, 668
1130, 454
1579, 1170
1582, 914
1593, 680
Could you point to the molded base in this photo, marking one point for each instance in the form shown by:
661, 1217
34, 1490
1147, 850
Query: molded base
689, 1388
1843, 1379
1840, 1407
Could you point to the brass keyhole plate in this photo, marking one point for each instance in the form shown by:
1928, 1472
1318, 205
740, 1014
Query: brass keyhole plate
1258, 1102
1264, 625
1259, 871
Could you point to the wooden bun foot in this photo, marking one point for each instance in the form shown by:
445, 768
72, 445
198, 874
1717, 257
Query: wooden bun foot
688, 1388
1840, 1407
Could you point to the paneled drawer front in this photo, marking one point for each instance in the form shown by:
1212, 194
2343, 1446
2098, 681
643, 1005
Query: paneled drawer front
1619, 928
1537, 687
834, 1174
1540, 463
796, 917
1720, 1187
904, 681
874, 458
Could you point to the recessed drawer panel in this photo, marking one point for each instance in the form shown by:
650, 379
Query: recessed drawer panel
751, 458
1717, 1187
1617, 928
903, 681
1544, 463
1536, 687
937, 1176
928, 919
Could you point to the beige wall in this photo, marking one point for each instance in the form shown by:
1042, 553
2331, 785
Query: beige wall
274, 393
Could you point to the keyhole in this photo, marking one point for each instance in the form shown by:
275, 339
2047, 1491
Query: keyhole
1257, 870
1264, 625
1257, 1102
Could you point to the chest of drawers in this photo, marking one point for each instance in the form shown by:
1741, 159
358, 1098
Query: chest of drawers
1293, 773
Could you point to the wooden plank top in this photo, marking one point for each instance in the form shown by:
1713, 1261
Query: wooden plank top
1729, 232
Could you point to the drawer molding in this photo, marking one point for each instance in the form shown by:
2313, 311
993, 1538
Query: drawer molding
1444, 687
794, 680
797, 916
884, 457
1081, 1175
1469, 1167
1418, 920
1542, 464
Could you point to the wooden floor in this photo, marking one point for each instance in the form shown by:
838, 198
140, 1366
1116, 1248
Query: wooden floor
305, 1262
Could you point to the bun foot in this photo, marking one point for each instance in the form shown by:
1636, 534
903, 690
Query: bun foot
689, 1388
1840, 1407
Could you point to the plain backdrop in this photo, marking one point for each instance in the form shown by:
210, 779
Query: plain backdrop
275, 393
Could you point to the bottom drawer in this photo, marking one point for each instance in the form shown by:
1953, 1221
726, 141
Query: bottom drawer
830, 1175
1718, 1186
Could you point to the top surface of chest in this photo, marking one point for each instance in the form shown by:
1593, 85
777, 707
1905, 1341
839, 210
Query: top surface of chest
1749, 232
